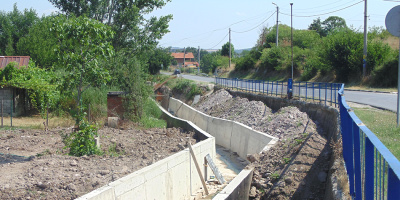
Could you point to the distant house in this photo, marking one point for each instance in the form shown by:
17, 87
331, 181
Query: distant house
185, 60
15, 99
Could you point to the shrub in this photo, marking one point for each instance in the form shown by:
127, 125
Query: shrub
82, 142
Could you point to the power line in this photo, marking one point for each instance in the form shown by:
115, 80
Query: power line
220, 41
331, 7
255, 26
323, 13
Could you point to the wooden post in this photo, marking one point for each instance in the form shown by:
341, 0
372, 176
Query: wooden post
198, 168
47, 117
2, 113
12, 106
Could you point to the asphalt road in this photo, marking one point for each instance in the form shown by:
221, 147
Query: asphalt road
381, 100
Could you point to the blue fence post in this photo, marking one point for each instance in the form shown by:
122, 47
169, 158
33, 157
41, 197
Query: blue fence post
393, 185
306, 91
263, 86
357, 161
319, 92
313, 91
369, 170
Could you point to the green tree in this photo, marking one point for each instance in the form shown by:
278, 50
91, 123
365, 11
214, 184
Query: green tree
127, 18
333, 23
158, 57
83, 44
316, 25
13, 26
225, 50
40, 43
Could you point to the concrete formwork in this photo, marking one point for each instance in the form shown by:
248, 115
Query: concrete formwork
232, 135
174, 177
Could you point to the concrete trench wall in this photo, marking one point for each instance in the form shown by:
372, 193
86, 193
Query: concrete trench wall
174, 177
232, 135
328, 119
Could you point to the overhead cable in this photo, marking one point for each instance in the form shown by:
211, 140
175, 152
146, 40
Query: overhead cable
255, 26
322, 13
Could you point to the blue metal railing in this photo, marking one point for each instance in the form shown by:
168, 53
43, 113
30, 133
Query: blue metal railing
373, 171
322, 92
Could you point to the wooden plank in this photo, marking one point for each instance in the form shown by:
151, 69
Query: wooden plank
215, 169
198, 168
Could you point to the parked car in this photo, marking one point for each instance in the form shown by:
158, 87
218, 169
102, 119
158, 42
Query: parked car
177, 71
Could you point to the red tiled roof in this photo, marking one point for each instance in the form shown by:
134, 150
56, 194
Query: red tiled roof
21, 60
180, 55
191, 63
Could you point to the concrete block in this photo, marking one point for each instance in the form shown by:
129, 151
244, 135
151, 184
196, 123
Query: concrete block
136, 193
153, 189
201, 120
178, 158
113, 122
103, 193
155, 169
221, 129
127, 183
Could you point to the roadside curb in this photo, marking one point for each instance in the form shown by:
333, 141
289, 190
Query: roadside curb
372, 91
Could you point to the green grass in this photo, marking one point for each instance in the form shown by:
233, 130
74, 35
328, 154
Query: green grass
383, 124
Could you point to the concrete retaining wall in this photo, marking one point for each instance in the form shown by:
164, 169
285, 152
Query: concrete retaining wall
238, 188
174, 177
232, 135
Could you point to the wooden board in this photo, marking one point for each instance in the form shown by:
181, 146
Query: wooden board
215, 169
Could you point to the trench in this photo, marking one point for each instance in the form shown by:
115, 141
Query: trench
316, 179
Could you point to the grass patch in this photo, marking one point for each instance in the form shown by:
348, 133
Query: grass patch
151, 116
36, 122
383, 124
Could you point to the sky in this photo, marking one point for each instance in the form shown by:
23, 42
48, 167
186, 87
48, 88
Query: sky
206, 23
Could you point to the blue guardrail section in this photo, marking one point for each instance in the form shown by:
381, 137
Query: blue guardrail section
373, 171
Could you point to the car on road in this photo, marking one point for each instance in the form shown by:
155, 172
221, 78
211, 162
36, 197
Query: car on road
177, 71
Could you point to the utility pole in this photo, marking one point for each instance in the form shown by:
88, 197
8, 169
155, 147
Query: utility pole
365, 39
230, 48
198, 67
277, 23
184, 55
291, 33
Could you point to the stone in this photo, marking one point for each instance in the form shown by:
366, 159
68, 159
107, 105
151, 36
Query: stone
41, 185
288, 180
253, 158
253, 192
104, 172
73, 163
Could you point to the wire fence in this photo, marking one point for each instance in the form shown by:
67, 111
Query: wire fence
373, 171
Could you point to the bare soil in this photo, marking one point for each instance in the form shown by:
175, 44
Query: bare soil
34, 164
297, 166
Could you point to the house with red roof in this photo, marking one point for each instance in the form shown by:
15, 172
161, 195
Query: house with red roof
14, 99
185, 59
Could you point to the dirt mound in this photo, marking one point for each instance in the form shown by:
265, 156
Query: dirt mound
50, 174
286, 123
297, 166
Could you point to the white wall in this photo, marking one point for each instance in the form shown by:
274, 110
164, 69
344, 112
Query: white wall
232, 135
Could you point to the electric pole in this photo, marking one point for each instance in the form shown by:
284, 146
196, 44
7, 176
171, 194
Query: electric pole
184, 55
198, 67
277, 23
291, 33
365, 39
229, 48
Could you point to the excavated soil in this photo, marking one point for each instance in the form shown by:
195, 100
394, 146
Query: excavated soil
297, 166
34, 165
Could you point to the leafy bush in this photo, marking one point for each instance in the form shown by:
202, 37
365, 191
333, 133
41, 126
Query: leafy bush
386, 75
82, 142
